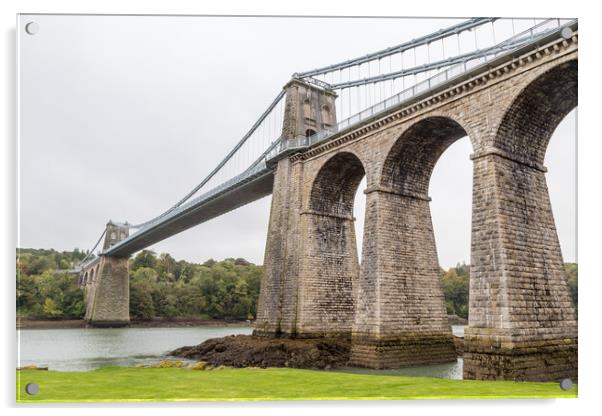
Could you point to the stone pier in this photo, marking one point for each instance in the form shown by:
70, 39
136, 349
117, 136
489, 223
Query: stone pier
106, 284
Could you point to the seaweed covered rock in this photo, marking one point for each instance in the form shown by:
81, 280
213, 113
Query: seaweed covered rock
249, 351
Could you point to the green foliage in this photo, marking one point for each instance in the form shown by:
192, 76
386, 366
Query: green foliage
145, 258
51, 309
160, 286
455, 290
43, 291
141, 295
222, 290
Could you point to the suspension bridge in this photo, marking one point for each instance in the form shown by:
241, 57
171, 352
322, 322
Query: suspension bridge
388, 115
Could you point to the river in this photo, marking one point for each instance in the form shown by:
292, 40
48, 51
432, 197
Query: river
83, 349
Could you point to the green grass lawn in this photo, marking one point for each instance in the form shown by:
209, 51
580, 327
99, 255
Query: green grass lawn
121, 384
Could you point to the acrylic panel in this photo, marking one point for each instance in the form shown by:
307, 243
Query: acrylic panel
233, 208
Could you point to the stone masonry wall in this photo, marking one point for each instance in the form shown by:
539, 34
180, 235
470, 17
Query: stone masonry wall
271, 299
329, 270
109, 302
519, 300
403, 320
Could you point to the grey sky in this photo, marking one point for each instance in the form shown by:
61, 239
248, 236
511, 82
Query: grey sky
122, 116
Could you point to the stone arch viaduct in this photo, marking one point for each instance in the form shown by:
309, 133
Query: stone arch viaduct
389, 303
522, 323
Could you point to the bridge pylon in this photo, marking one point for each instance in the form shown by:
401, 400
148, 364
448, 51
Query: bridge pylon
106, 284
308, 109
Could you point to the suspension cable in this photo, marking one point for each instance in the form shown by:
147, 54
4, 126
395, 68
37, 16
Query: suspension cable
221, 164
466, 25
427, 67
93, 248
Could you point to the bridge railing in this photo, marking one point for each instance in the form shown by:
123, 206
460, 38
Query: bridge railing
507, 46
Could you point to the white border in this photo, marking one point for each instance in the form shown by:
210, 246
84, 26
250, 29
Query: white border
590, 151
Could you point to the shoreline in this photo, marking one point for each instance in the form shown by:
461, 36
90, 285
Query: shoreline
29, 323
26, 323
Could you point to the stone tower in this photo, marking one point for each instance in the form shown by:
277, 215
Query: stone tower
115, 232
108, 297
308, 110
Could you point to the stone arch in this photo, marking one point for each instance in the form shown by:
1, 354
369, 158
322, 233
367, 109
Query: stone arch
334, 187
329, 267
529, 122
86, 278
410, 162
92, 275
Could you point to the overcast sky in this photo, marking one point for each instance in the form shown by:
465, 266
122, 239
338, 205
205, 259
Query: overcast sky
122, 116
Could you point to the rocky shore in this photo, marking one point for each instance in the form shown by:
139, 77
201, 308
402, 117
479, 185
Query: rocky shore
249, 351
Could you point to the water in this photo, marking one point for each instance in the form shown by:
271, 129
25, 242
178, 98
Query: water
448, 370
458, 330
83, 349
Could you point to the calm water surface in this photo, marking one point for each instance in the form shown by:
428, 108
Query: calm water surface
83, 349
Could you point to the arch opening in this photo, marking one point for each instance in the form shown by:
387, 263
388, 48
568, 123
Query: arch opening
530, 121
561, 177
335, 186
410, 162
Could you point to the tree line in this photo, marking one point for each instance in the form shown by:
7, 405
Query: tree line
160, 286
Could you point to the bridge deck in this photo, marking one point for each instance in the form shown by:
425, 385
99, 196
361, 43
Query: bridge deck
253, 188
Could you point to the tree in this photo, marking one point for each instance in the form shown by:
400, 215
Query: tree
51, 309
209, 263
141, 299
145, 258
166, 267
28, 295
455, 290
146, 274
241, 262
